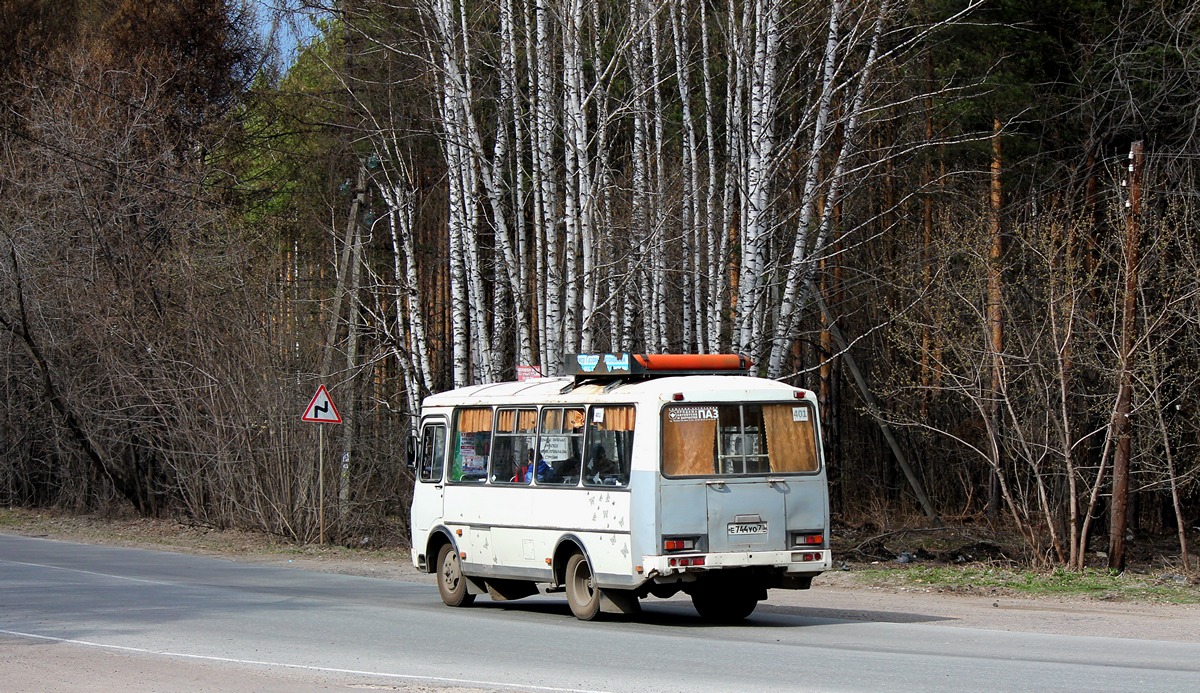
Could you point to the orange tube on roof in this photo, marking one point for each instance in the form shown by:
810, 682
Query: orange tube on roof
693, 362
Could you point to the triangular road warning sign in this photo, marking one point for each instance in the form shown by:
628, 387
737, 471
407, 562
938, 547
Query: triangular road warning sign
321, 409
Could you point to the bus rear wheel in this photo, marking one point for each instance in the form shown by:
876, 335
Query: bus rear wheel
720, 606
582, 593
451, 583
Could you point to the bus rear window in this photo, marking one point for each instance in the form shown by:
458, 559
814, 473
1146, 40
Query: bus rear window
738, 439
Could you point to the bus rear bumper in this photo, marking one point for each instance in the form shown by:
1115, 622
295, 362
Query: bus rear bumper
793, 563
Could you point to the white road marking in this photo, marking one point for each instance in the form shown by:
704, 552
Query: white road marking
304, 667
90, 572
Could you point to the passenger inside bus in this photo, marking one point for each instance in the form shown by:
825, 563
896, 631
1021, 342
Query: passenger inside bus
545, 473
568, 471
523, 468
602, 469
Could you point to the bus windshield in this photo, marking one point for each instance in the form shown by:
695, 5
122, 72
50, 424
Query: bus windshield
738, 439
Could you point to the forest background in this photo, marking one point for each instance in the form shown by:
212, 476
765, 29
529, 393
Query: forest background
970, 226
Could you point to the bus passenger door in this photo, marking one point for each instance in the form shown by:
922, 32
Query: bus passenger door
430, 486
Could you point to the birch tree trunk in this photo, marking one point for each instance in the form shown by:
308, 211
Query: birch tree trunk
456, 163
732, 206
640, 203
409, 343
603, 254
523, 293
799, 273
689, 204
536, 281
546, 214
577, 104
808, 199
459, 75
658, 254
714, 322
575, 189
760, 152
492, 170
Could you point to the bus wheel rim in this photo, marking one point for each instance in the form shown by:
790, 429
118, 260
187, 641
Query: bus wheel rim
451, 574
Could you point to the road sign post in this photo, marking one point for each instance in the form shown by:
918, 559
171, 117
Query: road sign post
321, 410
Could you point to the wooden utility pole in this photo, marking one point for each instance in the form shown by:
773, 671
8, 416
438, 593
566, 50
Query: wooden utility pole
1121, 427
995, 316
927, 243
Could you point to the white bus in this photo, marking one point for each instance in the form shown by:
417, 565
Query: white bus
636, 475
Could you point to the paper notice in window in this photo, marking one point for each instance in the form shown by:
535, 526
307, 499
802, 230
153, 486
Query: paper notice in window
799, 413
684, 414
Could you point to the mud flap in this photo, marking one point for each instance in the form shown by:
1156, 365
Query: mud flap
475, 585
619, 602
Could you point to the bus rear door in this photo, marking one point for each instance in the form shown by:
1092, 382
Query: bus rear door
746, 515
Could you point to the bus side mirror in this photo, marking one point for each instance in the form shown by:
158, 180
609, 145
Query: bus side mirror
410, 452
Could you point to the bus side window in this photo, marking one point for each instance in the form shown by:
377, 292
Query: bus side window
559, 447
609, 446
472, 442
512, 448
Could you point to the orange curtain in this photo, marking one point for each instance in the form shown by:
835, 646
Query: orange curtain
505, 420
688, 447
527, 421
617, 419
791, 444
475, 420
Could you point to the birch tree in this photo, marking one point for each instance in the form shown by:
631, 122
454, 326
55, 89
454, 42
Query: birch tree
546, 205
716, 239
763, 97
409, 343
808, 199
689, 204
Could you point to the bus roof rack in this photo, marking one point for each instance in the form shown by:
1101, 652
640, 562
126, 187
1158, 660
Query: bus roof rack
612, 366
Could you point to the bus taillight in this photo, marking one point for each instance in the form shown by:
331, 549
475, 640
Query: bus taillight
808, 539
691, 561
679, 544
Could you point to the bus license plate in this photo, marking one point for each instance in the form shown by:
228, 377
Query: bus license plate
743, 528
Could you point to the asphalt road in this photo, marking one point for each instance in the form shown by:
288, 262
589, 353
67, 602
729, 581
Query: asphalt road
99, 618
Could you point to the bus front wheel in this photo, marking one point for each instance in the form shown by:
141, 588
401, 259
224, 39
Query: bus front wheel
582, 593
451, 583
